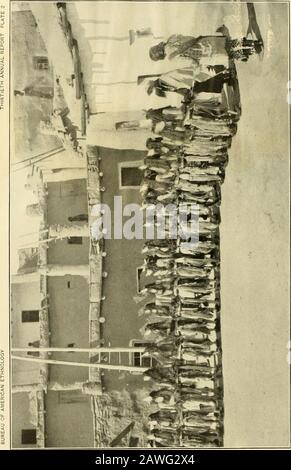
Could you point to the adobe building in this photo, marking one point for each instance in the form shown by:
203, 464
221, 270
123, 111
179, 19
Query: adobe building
77, 281
32, 86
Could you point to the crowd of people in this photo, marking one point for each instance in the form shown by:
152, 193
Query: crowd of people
185, 166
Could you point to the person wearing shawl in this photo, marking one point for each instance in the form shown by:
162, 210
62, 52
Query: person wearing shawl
188, 48
161, 374
162, 146
178, 81
165, 438
167, 113
194, 49
211, 83
162, 395
164, 417
242, 49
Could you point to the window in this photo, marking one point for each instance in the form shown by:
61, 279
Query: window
40, 63
139, 283
75, 241
137, 358
28, 436
130, 176
29, 316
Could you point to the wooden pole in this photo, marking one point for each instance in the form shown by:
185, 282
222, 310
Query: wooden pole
27, 277
82, 364
60, 236
56, 387
33, 233
29, 159
63, 270
67, 231
33, 162
91, 350
122, 434
26, 388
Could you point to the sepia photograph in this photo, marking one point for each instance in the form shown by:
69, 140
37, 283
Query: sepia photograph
149, 224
